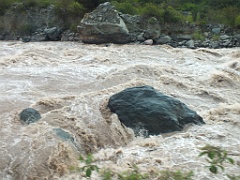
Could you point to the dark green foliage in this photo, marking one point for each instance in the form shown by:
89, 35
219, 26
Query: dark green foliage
152, 10
134, 174
232, 177
127, 7
176, 175
35, 3
91, 4
170, 11
215, 157
198, 36
237, 21
70, 11
4, 5
66, 8
171, 15
76, 9
166, 11
89, 167
107, 174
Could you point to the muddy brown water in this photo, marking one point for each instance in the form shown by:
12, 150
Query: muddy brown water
70, 84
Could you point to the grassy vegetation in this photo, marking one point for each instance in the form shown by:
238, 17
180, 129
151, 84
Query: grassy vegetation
166, 11
216, 158
171, 11
198, 36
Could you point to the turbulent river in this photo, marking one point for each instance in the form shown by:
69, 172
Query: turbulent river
70, 83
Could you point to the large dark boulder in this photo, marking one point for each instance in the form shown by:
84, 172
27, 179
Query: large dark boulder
30, 115
145, 108
103, 25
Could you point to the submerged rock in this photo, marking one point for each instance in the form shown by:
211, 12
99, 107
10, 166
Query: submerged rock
63, 134
144, 108
30, 115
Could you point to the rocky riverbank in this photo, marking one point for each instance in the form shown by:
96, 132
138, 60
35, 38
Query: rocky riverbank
106, 25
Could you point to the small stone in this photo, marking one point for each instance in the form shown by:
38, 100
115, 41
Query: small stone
216, 30
148, 42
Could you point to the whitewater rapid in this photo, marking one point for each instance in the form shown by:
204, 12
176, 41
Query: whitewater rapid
70, 83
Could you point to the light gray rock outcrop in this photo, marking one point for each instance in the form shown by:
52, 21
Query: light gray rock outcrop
103, 25
106, 25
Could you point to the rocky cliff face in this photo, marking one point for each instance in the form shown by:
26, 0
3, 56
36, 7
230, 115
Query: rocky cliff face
32, 24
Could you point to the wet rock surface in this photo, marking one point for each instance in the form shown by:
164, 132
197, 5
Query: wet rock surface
30, 115
144, 108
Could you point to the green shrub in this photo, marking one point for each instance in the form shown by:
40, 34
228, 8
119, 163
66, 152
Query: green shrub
198, 36
216, 156
230, 14
133, 175
4, 5
216, 37
152, 10
76, 9
171, 15
30, 3
66, 8
175, 175
89, 167
107, 174
237, 21
127, 7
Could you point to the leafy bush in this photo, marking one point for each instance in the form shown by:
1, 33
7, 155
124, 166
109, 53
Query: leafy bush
66, 8
215, 157
4, 5
30, 3
89, 167
35, 3
107, 174
175, 175
152, 10
171, 15
193, 8
237, 21
198, 36
127, 7
216, 37
229, 15
133, 175
76, 9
